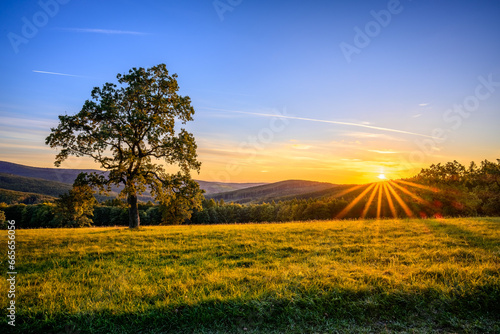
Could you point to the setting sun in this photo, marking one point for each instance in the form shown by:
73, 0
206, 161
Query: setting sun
382, 177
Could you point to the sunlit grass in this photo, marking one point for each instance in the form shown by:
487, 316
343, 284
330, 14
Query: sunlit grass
351, 276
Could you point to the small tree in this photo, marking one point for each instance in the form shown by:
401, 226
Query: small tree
180, 204
75, 208
128, 129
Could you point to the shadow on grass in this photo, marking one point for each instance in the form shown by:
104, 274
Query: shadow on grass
471, 239
333, 311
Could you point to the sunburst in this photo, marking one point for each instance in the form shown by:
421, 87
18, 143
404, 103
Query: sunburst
389, 197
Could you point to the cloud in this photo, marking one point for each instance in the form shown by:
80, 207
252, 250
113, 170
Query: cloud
417, 115
363, 135
19, 122
104, 31
324, 121
423, 104
24, 147
383, 152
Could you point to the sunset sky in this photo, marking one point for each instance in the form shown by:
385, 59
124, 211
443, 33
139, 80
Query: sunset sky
328, 91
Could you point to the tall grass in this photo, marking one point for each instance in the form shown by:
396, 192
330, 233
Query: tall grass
413, 276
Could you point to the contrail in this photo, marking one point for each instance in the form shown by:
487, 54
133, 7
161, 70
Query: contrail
324, 121
55, 73
104, 31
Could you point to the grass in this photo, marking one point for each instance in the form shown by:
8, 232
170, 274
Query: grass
390, 276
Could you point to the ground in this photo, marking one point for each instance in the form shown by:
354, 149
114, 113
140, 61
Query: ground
360, 276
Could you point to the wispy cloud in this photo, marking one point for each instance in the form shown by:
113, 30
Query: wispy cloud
417, 115
423, 104
382, 152
104, 31
27, 123
56, 73
366, 135
324, 121
24, 146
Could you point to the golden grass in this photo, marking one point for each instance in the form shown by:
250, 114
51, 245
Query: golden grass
290, 277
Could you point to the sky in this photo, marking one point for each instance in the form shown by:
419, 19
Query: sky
332, 91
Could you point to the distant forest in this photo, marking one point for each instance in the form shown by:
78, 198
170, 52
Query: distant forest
445, 190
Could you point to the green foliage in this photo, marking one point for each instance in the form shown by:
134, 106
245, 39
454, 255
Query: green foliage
75, 208
464, 191
31, 216
184, 197
110, 216
17, 197
127, 128
229, 213
387, 276
115, 202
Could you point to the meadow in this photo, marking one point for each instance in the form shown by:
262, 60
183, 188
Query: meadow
346, 276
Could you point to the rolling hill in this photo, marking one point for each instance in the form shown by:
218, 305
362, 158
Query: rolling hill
278, 191
27, 181
30, 190
55, 181
61, 175
32, 185
15, 197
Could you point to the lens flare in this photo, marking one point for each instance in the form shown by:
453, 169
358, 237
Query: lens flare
391, 196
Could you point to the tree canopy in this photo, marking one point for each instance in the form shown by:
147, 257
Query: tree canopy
130, 130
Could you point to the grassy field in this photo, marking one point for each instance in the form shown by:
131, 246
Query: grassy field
389, 276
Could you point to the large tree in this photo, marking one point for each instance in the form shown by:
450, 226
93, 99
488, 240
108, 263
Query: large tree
130, 129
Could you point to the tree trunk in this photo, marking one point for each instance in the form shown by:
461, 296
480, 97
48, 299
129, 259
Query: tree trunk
133, 211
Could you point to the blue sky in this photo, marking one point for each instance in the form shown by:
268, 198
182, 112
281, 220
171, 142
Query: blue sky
408, 74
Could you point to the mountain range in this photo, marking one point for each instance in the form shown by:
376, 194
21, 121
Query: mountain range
26, 184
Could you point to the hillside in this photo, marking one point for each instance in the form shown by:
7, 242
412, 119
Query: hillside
15, 197
32, 185
275, 191
67, 176
220, 187
50, 174
28, 180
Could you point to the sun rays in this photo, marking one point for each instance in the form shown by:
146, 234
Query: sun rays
394, 198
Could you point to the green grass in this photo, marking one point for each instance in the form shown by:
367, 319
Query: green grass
389, 276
